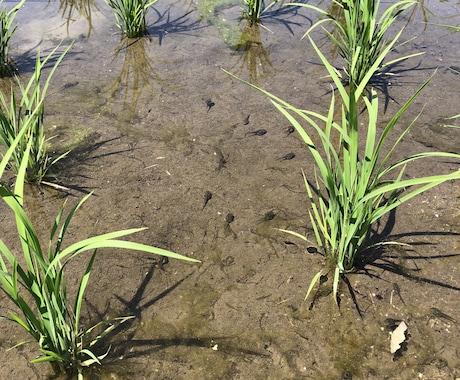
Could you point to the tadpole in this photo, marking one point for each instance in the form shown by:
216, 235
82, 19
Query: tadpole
270, 215
288, 156
290, 130
227, 229
161, 262
229, 218
259, 132
222, 160
209, 104
246, 120
434, 312
207, 197
397, 291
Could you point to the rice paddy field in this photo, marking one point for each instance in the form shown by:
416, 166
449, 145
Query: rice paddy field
165, 139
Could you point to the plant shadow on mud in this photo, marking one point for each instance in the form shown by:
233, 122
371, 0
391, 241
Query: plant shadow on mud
282, 14
25, 62
387, 79
166, 24
125, 346
388, 258
84, 154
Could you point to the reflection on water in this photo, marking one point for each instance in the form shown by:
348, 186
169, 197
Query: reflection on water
83, 8
253, 57
138, 75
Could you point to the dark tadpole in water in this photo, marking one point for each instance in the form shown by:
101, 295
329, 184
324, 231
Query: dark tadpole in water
397, 291
246, 120
227, 229
270, 215
434, 312
161, 262
259, 132
209, 104
207, 198
288, 156
312, 250
290, 130
70, 85
222, 160
229, 218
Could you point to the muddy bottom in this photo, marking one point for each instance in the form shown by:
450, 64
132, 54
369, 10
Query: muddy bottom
155, 126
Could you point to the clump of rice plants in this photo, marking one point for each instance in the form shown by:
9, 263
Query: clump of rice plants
353, 189
360, 33
6, 32
36, 282
253, 9
29, 110
130, 16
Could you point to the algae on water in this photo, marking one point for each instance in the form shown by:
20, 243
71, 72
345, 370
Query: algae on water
212, 10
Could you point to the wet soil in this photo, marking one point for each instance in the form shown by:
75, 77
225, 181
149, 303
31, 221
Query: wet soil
156, 126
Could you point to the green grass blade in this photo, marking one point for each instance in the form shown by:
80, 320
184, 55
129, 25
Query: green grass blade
312, 283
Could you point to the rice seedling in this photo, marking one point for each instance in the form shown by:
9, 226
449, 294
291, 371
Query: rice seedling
253, 9
36, 282
352, 189
360, 34
15, 113
130, 16
6, 32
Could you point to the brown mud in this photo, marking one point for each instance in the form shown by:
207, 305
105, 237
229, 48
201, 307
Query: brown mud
156, 126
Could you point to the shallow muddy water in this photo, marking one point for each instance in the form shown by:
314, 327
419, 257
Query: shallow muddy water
155, 125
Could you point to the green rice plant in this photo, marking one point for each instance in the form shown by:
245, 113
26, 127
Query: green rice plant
35, 283
130, 16
360, 34
253, 9
6, 32
353, 188
15, 113
450, 118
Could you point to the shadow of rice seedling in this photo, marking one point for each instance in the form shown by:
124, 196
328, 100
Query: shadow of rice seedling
165, 24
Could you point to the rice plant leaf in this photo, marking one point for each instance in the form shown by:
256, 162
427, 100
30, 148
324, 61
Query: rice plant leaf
49, 356
81, 291
312, 283
332, 72
111, 327
335, 284
94, 359
293, 233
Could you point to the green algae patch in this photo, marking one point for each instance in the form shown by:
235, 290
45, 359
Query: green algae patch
213, 11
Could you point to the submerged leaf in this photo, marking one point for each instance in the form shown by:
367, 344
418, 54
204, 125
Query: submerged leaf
397, 337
